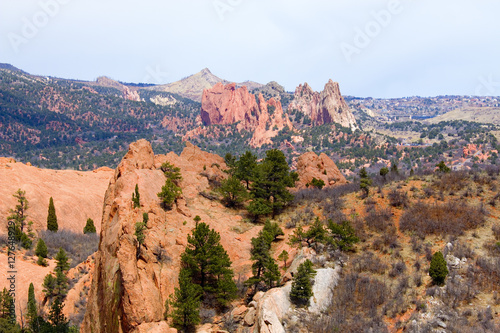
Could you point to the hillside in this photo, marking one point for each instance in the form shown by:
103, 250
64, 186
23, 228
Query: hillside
488, 115
192, 86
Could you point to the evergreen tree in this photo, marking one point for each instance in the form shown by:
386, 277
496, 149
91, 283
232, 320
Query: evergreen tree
172, 172
89, 227
383, 172
230, 161
6, 301
186, 302
57, 318
18, 215
233, 193
170, 192
438, 269
32, 312
272, 230
272, 179
41, 252
51, 217
245, 167
318, 183
364, 182
136, 197
139, 234
49, 286
62, 260
26, 242
209, 264
343, 235
264, 268
259, 207
302, 285
283, 256
315, 234
442, 167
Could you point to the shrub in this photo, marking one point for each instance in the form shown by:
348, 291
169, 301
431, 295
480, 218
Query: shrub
451, 218
398, 198
78, 247
379, 220
438, 270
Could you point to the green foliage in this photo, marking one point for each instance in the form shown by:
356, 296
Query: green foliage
172, 172
442, 167
438, 269
264, 268
49, 286
6, 326
245, 167
32, 312
259, 207
18, 215
51, 217
208, 264
186, 302
318, 183
384, 171
284, 256
302, 284
364, 182
233, 193
6, 304
272, 230
230, 161
41, 248
26, 242
139, 234
169, 193
89, 227
61, 261
57, 318
315, 234
272, 179
343, 236
136, 197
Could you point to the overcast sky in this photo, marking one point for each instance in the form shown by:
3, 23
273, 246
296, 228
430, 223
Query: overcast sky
378, 48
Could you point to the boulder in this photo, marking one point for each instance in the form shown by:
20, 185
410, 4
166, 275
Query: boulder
310, 165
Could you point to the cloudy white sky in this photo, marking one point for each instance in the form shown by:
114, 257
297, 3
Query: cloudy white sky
378, 48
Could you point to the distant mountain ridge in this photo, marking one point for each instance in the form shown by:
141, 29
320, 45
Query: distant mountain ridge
192, 86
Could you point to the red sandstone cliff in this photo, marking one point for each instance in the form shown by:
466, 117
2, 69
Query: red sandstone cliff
323, 108
224, 105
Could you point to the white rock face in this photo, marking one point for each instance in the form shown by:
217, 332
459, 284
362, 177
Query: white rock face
272, 308
274, 305
326, 279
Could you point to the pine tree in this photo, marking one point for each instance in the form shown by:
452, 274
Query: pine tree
136, 197
438, 269
49, 286
18, 215
383, 172
41, 252
89, 227
62, 260
264, 268
139, 232
272, 179
57, 318
170, 192
245, 167
364, 182
5, 303
259, 207
209, 264
51, 217
302, 285
233, 193
343, 236
283, 256
32, 312
186, 302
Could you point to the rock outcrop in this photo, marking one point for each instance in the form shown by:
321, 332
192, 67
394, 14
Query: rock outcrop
323, 108
225, 105
310, 165
128, 291
77, 195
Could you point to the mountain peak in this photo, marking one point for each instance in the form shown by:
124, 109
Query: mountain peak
205, 71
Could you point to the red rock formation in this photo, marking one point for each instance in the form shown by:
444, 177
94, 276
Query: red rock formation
310, 165
128, 293
323, 108
224, 105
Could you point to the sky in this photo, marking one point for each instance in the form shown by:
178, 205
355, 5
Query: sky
373, 48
